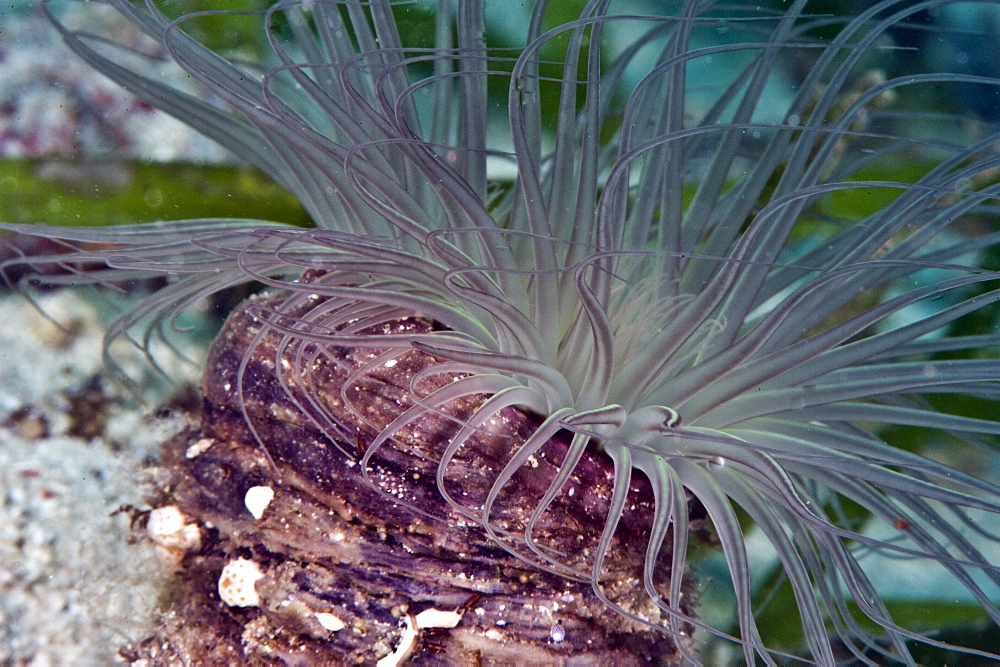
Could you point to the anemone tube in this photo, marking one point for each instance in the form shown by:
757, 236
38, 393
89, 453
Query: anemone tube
669, 279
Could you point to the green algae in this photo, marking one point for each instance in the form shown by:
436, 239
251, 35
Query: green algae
100, 193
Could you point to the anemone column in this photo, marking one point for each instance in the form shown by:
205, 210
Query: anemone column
354, 572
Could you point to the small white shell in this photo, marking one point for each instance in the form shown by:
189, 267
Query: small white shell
330, 621
406, 645
199, 448
257, 499
435, 618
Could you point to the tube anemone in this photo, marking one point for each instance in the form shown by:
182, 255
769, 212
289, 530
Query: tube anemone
726, 283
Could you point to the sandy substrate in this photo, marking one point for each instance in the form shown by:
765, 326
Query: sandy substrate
73, 449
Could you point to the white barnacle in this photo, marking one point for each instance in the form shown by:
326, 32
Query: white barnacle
173, 535
238, 583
